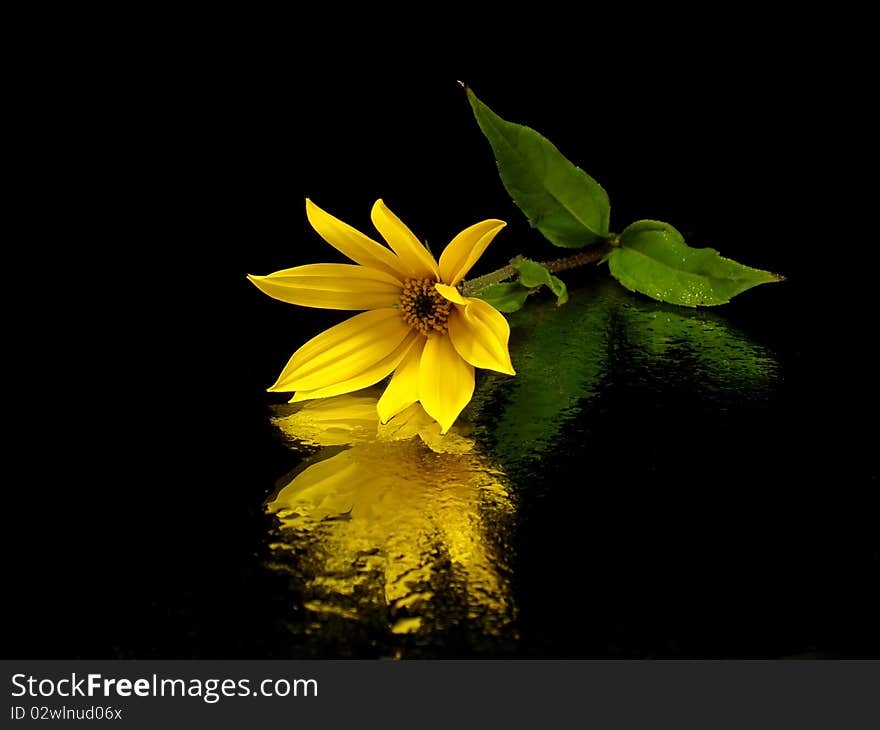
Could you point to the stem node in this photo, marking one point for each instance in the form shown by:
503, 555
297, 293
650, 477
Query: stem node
582, 258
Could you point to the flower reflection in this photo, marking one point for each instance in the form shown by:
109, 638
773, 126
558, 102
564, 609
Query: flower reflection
401, 534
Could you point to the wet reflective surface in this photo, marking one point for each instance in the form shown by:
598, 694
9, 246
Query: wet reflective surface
654, 482
394, 541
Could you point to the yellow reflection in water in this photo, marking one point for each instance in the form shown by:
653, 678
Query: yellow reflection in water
404, 531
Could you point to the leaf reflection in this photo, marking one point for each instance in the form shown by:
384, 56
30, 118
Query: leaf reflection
566, 356
399, 535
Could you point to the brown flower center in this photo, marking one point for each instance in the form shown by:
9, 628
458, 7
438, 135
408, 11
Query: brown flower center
423, 307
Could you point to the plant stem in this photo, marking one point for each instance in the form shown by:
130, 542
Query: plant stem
470, 286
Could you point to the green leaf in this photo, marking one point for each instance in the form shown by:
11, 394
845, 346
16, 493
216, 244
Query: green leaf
568, 206
507, 297
532, 274
653, 259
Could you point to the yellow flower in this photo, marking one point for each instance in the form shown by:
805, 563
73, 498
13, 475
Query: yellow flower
416, 324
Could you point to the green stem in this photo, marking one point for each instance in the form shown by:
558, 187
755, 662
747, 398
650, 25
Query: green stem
593, 254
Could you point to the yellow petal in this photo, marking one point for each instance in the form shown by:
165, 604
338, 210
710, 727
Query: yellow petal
465, 249
403, 390
451, 293
370, 376
359, 248
412, 254
446, 382
344, 351
480, 335
331, 286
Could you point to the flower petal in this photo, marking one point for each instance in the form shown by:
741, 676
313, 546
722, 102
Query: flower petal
359, 248
344, 351
446, 382
403, 390
480, 335
451, 293
465, 249
331, 286
412, 254
370, 376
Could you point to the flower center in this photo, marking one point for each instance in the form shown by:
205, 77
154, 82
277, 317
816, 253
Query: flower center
423, 307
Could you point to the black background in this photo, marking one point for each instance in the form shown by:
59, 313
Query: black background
156, 179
